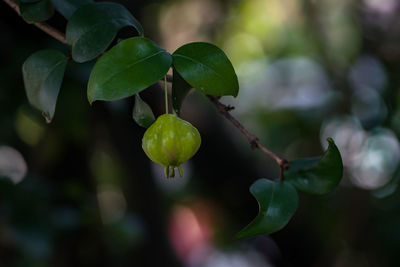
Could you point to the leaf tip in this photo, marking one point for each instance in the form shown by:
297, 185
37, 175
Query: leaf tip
236, 90
244, 234
239, 236
91, 100
47, 117
90, 96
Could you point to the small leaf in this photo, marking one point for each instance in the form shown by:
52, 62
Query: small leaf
317, 175
43, 73
180, 88
128, 68
92, 28
68, 7
37, 11
206, 68
142, 113
277, 201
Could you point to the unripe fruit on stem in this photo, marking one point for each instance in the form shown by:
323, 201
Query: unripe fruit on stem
170, 141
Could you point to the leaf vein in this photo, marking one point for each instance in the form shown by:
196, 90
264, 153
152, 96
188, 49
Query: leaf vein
129, 66
196, 61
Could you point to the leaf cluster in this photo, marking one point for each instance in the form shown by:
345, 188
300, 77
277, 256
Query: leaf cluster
134, 64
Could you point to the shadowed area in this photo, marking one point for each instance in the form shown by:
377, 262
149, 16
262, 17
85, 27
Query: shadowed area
80, 191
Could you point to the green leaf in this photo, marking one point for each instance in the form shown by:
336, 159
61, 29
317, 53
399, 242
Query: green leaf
317, 175
180, 88
206, 68
128, 68
68, 7
277, 201
43, 73
142, 113
37, 11
92, 28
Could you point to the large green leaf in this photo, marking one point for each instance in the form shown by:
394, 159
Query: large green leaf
180, 88
68, 7
128, 68
206, 68
92, 28
277, 201
43, 73
317, 175
142, 113
36, 11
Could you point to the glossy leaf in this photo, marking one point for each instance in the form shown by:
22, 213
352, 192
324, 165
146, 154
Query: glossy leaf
317, 175
36, 11
206, 68
142, 113
68, 7
180, 88
43, 73
128, 68
277, 201
92, 28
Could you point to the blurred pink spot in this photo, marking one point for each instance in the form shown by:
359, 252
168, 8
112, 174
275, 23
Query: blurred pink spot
190, 233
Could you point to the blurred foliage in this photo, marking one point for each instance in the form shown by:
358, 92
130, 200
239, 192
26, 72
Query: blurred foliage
307, 70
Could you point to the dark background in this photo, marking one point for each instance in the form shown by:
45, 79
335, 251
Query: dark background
307, 69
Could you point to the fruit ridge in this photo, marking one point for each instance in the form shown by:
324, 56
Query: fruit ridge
170, 141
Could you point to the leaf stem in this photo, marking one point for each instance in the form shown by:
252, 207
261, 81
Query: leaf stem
166, 94
253, 140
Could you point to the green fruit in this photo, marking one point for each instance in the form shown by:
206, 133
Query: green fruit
170, 141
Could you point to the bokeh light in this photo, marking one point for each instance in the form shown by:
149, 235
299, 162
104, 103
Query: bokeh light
12, 164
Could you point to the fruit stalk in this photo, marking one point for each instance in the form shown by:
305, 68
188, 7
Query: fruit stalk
166, 94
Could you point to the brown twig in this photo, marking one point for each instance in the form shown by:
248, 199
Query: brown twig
253, 140
222, 108
41, 25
